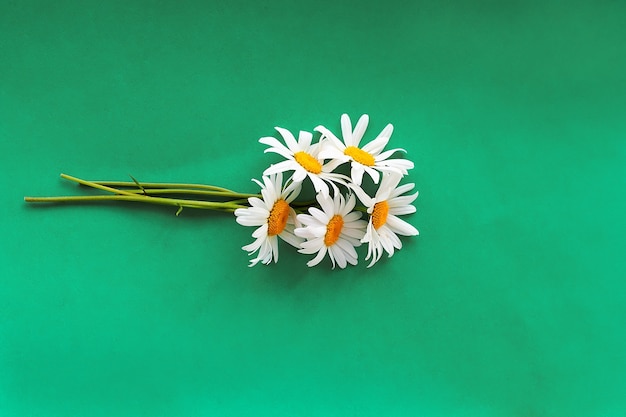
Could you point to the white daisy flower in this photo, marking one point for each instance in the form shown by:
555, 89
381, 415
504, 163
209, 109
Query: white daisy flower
302, 158
369, 158
384, 226
273, 216
335, 229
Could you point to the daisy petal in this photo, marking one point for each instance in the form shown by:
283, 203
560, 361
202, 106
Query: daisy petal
375, 175
290, 140
260, 232
318, 258
400, 226
331, 137
363, 197
329, 167
251, 221
384, 155
282, 166
304, 139
299, 175
290, 238
272, 142
330, 152
401, 164
359, 130
375, 146
402, 210
357, 173
401, 190
350, 217
339, 256
319, 215
274, 245
402, 201
319, 185
346, 130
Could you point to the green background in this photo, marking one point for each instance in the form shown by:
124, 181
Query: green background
511, 302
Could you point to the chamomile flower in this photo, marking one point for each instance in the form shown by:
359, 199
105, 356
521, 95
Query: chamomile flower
369, 158
273, 216
302, 158
384, 225
335, 229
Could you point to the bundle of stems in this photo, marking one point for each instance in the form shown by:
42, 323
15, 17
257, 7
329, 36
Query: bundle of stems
206, 197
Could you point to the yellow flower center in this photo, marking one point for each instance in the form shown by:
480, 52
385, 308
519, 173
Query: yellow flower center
277, 219
333, 230
360, 156
308, 162
379, 214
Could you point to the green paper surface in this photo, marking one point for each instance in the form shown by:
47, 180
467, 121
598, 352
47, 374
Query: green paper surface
511, 302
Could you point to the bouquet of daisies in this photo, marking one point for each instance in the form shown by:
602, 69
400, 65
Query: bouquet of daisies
331, 225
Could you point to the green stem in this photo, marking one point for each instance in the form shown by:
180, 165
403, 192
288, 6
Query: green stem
177, 202
162, 185
230, 194
95, 185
